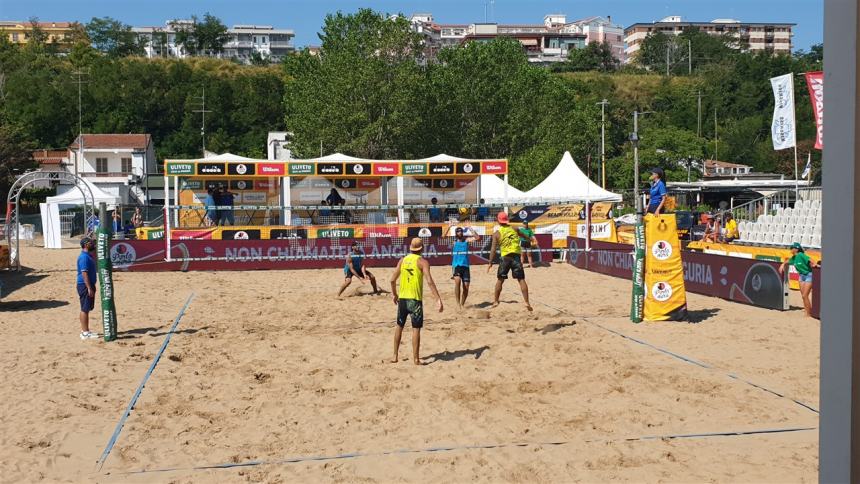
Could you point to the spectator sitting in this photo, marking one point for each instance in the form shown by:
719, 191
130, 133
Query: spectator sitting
731, 231
129, 230
116, 225
324, 210
712, 230
137, 218
435, 212
334, 199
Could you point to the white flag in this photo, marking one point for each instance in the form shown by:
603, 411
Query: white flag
808, 168
782, 129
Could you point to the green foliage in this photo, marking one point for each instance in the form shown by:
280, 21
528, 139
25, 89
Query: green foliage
205, 37
113, 37
595, 56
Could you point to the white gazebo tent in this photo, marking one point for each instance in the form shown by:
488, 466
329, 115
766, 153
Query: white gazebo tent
496, 190
50, 210
568, 183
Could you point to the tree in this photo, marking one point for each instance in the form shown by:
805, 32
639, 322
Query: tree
257, 59
596, 56
210, 35
15, 154
659, 51
113, 37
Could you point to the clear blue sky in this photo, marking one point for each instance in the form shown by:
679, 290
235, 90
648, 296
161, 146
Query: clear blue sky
305, 17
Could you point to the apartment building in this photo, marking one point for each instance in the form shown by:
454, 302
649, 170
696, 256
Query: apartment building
596, 29
768, 37
244, 41
117, 163
57, 33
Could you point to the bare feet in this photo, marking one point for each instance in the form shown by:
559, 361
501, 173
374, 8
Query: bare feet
417, 361
529, 307
393, 360
495, 304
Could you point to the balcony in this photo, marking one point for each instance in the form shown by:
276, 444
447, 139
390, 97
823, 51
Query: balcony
106, 174
281, 44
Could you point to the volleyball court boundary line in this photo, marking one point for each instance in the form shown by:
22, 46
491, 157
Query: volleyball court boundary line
454, 448
678, 356
115, 436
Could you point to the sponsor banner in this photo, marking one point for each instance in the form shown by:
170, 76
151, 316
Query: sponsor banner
600, 230
443, 183
312, 197
203, 234
104, 255
359, 169
782, 126
414, 168
382, 231
559, 231
816, 292
187, 184
329, 169
424, 232
148, 255
386, 169
748, 281
638, 292
174, 168
815, 84
441, 168
463, 182
279, 234
241, 184
369, 183
339, 233
271, 169
253, 198
665, 295
494, 167
468, 168
244, 234
345, 183
266, 185
241, 169
300, 169
213, 184
468, 230
211, 169
457, 197
421, 183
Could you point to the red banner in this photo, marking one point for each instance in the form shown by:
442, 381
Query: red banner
815, 83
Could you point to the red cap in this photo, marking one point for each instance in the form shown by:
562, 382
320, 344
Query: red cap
502, 217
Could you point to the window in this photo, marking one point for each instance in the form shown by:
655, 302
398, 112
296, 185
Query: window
101, 165
126, 166
15, 37
264, 40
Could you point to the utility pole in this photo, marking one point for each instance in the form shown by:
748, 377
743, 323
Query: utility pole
716, 138
699, 130
689, 56
603, 142
667, 57
203, 111
635, 139
80, 83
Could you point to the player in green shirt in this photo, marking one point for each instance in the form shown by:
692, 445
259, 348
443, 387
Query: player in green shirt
803, 264
527, 241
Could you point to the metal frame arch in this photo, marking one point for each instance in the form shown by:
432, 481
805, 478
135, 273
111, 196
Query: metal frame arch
13, 205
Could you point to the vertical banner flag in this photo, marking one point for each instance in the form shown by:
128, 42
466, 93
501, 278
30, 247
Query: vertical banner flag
815, 83
638, 295
782, 128
105, 271
808, 170
665, 294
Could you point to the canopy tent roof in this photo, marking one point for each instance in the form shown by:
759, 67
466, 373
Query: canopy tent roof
567, 182
74, 197
493, 191
231, 157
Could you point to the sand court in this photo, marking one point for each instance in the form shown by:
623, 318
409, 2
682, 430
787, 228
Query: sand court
268, 367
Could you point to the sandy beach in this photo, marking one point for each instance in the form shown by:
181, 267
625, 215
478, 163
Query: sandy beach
268, 366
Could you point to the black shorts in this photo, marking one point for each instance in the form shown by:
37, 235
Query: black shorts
513, 263
410, 307
87, 302
652, 209
463, 273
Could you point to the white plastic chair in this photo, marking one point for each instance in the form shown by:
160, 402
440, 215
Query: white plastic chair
816, 240
806, 240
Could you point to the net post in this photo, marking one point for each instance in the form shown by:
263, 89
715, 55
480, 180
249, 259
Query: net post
166, 217
587, 226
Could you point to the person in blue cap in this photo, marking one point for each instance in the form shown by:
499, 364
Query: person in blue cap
658, 191
803, 265
86, 285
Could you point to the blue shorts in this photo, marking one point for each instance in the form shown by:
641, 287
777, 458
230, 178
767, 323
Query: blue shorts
87, 302
463, 273
805, 277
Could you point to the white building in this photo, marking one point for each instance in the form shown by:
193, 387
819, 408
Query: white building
278, 146
117, 163
243, 41
597, 29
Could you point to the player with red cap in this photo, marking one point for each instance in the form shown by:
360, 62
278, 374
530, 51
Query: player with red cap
507, 240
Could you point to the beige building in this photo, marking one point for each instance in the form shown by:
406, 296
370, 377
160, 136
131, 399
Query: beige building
751, 36
18, 32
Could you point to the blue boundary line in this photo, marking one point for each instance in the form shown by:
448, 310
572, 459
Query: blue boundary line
121, 423
355, 455
682, 357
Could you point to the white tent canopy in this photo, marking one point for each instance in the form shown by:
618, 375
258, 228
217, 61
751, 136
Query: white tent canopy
493, 191
567, 182
231, 157
73, 196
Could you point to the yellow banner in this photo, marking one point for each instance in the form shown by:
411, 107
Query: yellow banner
665, 295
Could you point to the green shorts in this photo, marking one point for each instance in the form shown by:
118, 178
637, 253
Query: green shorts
413, 308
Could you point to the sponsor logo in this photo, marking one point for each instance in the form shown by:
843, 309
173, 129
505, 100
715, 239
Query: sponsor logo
335, 233
357, 169
368, 183
661, 291
192, 184
523, 214
122, 254
661, 250
301, 169
385, 169
414, 169
180, 168
443, 183
241, 184
329, 168
271, 168
467, 168
240, 235
264, 185
344, 183
494, 167
441, 168
240, 169
210, 168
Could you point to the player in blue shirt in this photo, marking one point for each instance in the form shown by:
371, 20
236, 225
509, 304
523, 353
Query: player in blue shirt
86, 285
658, 192
460, 264
355, 266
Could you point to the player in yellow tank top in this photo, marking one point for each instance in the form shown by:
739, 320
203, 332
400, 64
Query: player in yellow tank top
410, 272
507, 240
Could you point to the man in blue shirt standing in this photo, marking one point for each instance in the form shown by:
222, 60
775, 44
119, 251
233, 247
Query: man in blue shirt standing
86, 283
460, 264
658, 192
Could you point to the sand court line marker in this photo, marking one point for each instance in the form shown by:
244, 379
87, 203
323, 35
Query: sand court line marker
681, 357
130, 407
454, 448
